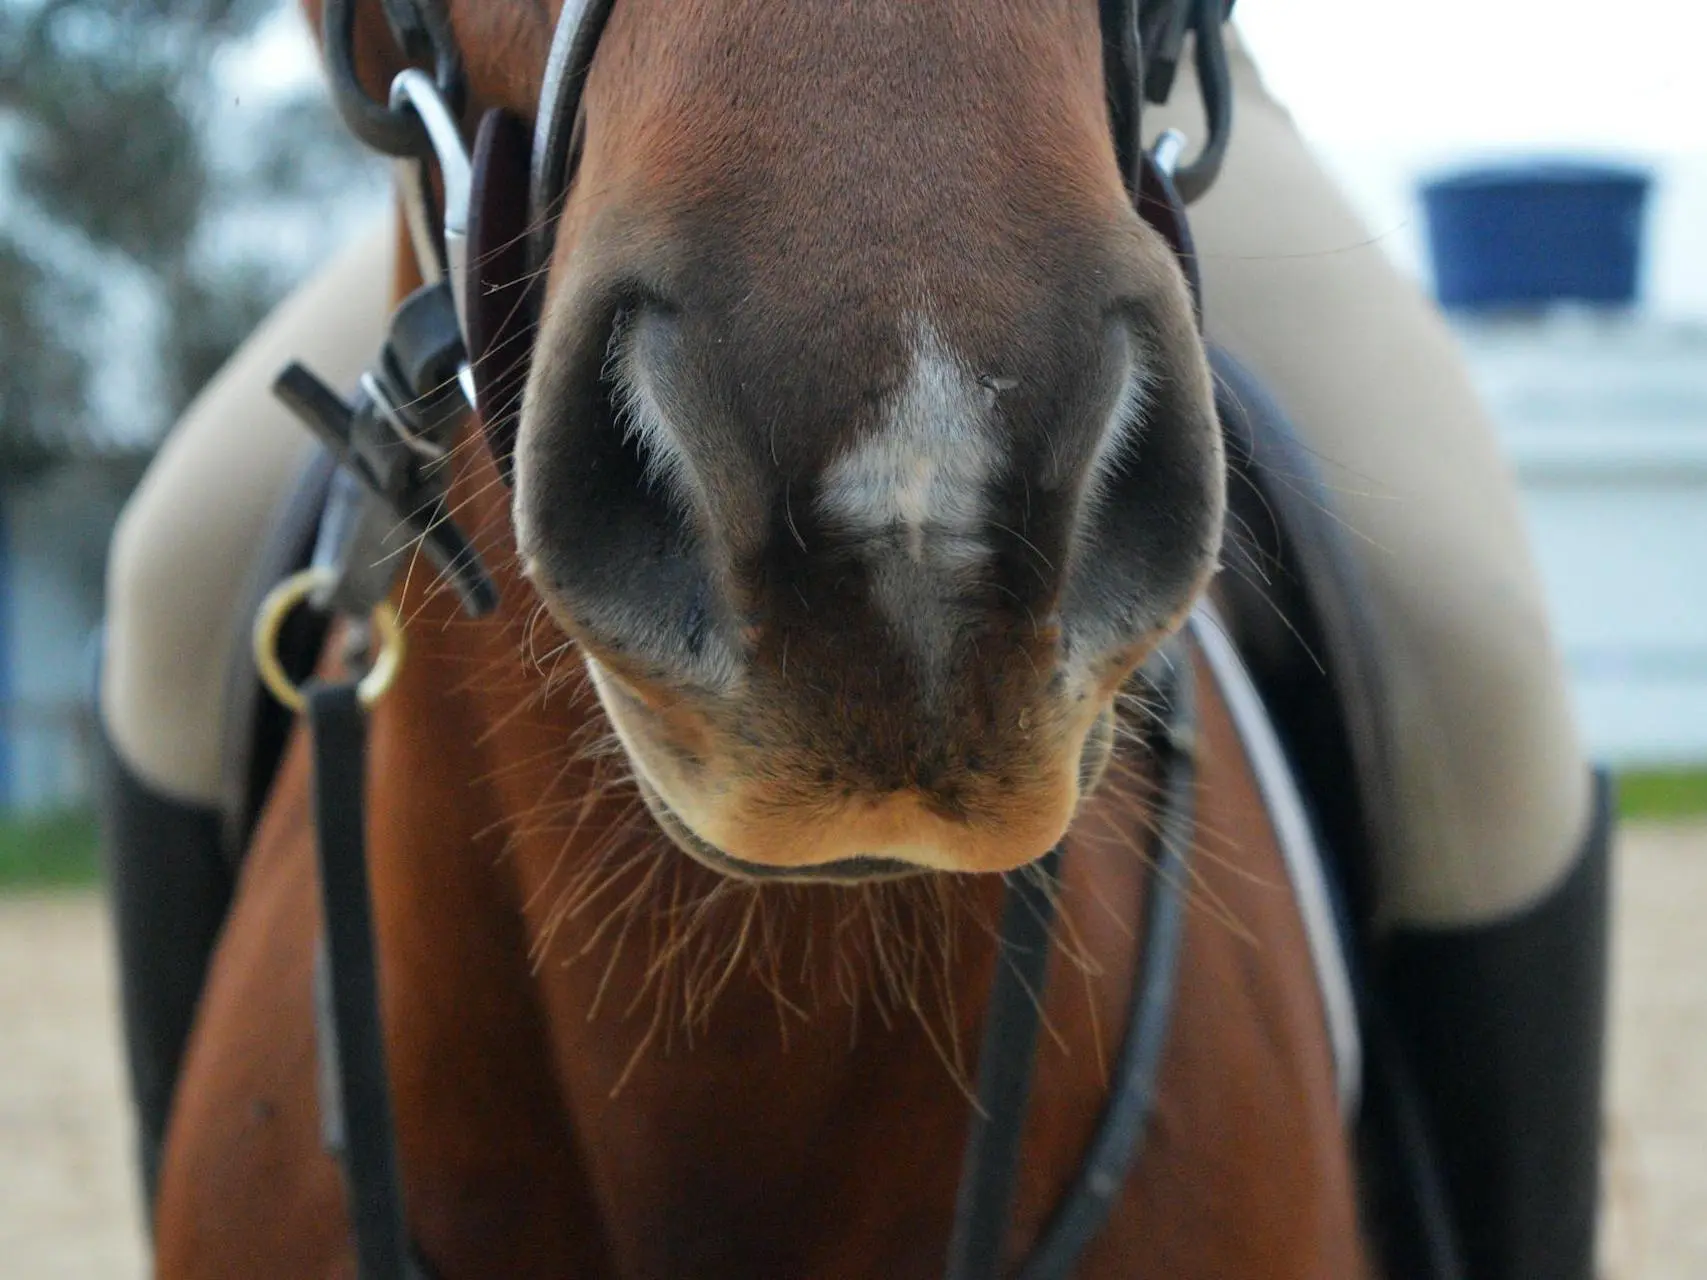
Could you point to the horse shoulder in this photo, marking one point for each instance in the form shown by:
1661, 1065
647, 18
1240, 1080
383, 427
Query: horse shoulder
1247, 1168
246, 1188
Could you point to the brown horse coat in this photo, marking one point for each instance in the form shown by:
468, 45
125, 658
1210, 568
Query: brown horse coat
808, 1122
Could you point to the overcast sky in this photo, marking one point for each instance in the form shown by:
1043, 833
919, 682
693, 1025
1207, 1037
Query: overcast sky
1391, 89
1466, 73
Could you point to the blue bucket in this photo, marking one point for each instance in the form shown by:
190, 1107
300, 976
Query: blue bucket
1520, 236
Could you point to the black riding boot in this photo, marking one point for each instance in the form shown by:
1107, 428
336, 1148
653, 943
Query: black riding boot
170, 884
1505, 1026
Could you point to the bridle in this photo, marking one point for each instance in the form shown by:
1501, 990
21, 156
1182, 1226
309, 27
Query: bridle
462, 340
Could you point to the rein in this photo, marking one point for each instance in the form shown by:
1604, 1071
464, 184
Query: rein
461, 342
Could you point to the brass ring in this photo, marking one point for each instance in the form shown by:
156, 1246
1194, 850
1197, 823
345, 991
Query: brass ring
281, 601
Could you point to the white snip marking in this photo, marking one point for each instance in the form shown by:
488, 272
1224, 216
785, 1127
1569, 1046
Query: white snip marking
924, 471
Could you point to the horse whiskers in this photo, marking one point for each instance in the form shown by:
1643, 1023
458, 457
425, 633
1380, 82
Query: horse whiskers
530, 629
1145, 787
946, 1045
1066, 938
503, 720
889, 948
570, 901
1259, 590
884, 951
553, 655
580, 897
559, 678
624, 913
618, 942
661, 990
769, 976
700, 991
1199, 894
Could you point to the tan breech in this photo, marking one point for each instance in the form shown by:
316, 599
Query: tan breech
178, 570
1493, 780
1492, 777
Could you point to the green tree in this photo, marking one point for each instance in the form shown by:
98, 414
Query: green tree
129, 165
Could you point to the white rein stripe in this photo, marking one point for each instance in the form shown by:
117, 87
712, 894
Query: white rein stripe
1296, 836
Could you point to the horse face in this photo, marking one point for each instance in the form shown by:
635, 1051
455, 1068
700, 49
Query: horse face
868, 443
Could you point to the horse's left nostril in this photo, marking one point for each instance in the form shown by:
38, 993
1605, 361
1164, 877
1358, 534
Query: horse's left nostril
1151, 525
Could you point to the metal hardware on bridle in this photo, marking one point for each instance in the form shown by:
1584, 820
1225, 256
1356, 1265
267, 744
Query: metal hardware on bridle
1163, 28
390, 442
392, 438
394, 435
443, 256
422, 30
276, 608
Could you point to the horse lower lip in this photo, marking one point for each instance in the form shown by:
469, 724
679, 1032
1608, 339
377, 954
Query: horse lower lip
841, 871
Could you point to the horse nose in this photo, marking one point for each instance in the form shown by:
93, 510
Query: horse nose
816, 540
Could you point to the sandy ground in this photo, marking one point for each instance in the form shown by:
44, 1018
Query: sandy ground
68, 1207
68, 1194
1656, 1178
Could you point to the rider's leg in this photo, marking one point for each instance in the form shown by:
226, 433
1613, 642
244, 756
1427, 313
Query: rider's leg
176, 577
178, 564
1489, 901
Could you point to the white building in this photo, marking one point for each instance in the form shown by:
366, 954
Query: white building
1605, 421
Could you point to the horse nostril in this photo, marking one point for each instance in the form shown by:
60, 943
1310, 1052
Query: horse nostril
1150, 527
607, 494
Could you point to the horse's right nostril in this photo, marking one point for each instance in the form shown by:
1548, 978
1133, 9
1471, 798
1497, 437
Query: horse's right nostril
607, 507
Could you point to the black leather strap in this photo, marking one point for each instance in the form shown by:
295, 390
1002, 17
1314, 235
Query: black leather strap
356, 1098
1160, 204
1215, 88
1004, 1072
424, 34
983, 1210
503, 290
1123, 80
1120, 1133
556, 141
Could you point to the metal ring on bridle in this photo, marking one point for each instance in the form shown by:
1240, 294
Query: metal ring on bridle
281, 601
423, 33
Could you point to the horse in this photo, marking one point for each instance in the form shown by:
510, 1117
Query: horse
864, 456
